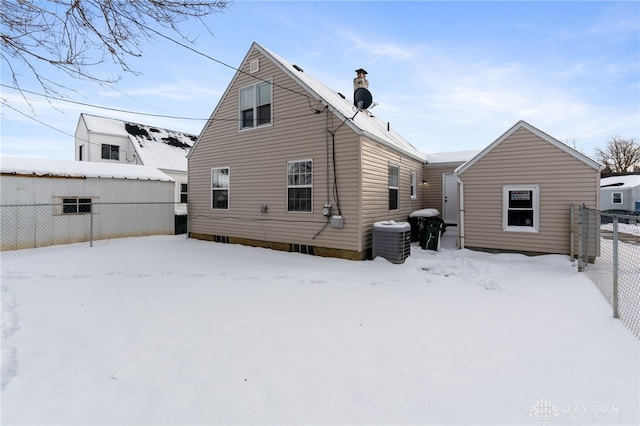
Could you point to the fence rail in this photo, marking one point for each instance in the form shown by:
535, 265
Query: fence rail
609, 254
28, 226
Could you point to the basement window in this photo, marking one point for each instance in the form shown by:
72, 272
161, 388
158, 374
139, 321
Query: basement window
520, 208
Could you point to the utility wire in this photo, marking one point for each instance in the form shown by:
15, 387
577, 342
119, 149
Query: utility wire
186, 46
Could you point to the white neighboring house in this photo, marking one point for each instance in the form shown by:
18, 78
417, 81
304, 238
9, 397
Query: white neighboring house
101, 139
620, 192
47, 202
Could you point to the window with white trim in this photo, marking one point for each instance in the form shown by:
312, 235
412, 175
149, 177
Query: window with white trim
413, 190
394, 173
300, 186
616, 198
520, 208
255, 105
110, 152
220, 188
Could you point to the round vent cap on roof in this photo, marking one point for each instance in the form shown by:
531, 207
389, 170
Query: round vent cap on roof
362, 98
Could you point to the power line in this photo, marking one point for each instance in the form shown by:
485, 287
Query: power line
186, 46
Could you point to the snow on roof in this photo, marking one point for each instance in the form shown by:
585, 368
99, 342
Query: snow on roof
451, 157
156, 147
82, 169
620, 182
368, 124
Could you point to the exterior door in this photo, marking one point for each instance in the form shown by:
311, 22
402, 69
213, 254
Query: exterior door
449, 199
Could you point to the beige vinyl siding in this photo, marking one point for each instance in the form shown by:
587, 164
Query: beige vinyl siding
523, 159
258, 158
375, 187
433, 191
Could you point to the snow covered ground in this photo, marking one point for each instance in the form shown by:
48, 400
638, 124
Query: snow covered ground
166, 330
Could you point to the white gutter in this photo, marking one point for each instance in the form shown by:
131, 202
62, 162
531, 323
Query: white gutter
461, 208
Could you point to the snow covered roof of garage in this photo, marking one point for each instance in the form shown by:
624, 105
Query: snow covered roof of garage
79, 169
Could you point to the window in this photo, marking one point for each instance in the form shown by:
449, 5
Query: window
255, 105
75, 205
520, 208
393, 187
110, 152
220, 188
413, 190
616, 198
299, 186
183, 192
80, 152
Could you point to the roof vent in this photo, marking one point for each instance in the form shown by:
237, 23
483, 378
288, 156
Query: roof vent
342, 96
254, 66
298, 68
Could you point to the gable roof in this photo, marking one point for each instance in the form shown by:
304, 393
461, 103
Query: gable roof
156, 147
361, 122
524, 125
79, 169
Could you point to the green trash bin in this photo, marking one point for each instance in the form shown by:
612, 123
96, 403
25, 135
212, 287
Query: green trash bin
430, 230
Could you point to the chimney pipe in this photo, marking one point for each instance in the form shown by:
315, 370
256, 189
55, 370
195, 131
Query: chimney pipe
360, 80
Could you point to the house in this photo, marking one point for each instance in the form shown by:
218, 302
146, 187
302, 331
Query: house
620, 192
107, 140
515, 195
288, 163
440, 185
47, 202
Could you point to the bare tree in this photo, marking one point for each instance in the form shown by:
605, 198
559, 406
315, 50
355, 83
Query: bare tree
619, 155
76, 35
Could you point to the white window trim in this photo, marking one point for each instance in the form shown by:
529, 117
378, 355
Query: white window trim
613, 198
414, 187
228, 189
536, 208
255, 106
298, 186
397, 187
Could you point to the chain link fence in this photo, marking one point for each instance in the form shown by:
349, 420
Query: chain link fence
609, 254
76, 220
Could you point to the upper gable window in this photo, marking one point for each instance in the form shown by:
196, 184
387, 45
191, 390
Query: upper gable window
255, 105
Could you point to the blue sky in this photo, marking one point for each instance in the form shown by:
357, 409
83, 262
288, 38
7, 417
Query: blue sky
447, 75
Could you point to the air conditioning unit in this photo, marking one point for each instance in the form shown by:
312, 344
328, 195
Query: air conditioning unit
392, 240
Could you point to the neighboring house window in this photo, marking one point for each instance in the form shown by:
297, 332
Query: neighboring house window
110, 152
183, 192
255, 105
616, 198
393, 187
520, 210
80, 152
220, 188
299, 185
74, 205
414, 188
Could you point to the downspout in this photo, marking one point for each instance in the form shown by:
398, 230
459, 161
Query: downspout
461, 208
